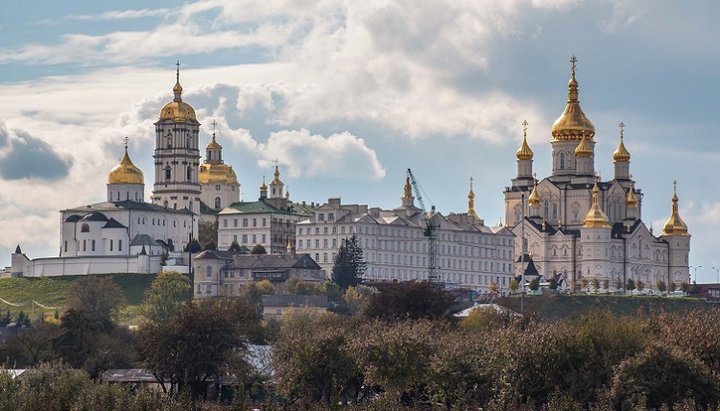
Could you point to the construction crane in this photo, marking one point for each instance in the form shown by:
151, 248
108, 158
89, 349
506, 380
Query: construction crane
430, 230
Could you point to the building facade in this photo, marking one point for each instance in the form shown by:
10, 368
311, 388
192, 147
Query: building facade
577, 228
270, 221
469, 254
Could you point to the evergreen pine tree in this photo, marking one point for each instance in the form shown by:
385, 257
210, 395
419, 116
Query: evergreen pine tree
349, 265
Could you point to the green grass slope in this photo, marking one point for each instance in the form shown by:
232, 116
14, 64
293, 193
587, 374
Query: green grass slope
50, 291
555, 307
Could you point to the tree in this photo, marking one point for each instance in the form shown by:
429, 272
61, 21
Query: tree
98, 297
606, 284
258, 249
234, 246
672, 286
535, 284
640, 285
684, 287
207, 232
165, 295
197, 344
584, 283
618, 284
514, 285
553, 284
193, 246
358, 298
630, 284
661, 286
210, 245
596, 284
410, 300
494, 289
349, 265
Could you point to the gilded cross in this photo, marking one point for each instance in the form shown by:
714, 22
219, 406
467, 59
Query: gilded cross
177, 73
471, 183
674, 186
622, 129
214, 123
126, 141
573, 60
524, 124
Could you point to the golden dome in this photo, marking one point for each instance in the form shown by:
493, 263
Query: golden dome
276, 180
534, 199
263, 187
524, 152
213, 144
596, 218
621, 155
631, 201
583, 149
572, 123
126, 172
675, 225
407, 189
217, 173
178, 110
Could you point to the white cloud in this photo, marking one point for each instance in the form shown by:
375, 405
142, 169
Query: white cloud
121, 14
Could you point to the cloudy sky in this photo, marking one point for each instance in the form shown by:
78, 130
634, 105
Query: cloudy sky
346, 95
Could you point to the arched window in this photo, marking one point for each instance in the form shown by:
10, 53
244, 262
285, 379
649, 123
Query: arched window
165, 203
546, 207
562, 161
217, 203
555, 211
168, 140
168, 173
85, 228
189, 173
111, 245
209, 271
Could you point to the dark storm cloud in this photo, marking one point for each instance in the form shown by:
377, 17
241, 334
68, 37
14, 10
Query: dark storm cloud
29, 157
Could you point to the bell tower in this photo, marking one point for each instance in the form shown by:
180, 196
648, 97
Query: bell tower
177, 156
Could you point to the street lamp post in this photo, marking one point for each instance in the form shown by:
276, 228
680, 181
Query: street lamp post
695, 276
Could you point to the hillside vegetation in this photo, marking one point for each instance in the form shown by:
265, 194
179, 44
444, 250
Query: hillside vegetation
556, 307
50, 291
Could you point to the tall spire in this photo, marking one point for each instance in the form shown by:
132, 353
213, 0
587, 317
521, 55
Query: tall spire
675, 225
524, 152
471, 202
596, 218
177, 90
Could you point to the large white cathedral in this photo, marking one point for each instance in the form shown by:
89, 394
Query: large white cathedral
578, 229
125, 234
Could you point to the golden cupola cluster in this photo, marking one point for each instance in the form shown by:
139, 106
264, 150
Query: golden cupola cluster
216, 172
524, 152
621, 155
573, 124
596, 218
276, 181
675, 225
126, 172
178, 110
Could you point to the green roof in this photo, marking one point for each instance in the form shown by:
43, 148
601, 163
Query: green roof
263, 207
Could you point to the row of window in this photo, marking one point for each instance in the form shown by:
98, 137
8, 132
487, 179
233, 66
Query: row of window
92, 245
405, 233
459, 278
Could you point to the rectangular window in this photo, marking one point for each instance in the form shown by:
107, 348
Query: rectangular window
84, 245
119, 245
254, 222
244, 239
325, 243
300, 244
325, 257
334, 242
245, 222
264, 222
263, 238
254, 239
234, 222
111, 245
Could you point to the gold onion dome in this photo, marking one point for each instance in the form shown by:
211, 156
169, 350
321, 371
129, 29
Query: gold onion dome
631, 201
534, 199
126, 172
583, 149
572, 123
596, 218
213, 144
621, 155
263, 187
276, 180
524, 152
217, 174
178, 110
675, 225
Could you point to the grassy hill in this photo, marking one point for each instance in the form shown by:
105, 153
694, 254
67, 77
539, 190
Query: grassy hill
50, 291
555, 307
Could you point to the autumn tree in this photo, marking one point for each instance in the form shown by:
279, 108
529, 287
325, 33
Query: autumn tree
165, 295
95, 296
661, 286
630, 285
349, 265
234, 246
410, 300
198, 344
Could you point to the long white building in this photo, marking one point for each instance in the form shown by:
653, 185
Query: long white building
469, 254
